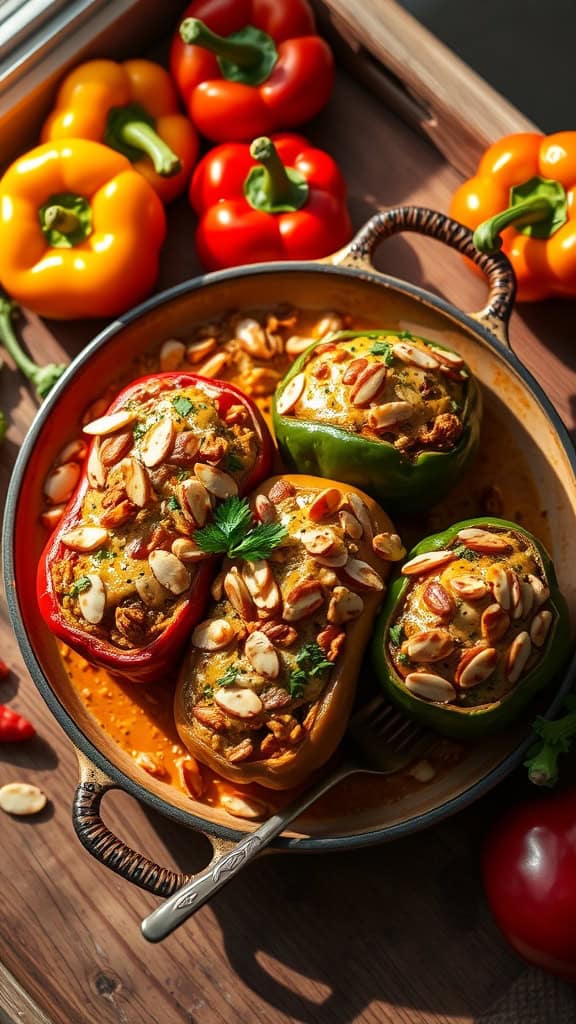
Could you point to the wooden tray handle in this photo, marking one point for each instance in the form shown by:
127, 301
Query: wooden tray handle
111, 851
497, 268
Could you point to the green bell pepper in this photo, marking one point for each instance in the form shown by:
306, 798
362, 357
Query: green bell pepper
503, 604
405, 478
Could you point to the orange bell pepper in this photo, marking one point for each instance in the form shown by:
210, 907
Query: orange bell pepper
80, 231
523, 200
132, 107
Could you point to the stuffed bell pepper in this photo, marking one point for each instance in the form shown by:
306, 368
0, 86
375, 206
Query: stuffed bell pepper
389, 412
472, 628
122, 579
266, 691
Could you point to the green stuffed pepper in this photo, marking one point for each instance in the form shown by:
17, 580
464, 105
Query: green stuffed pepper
383, 410
472, 628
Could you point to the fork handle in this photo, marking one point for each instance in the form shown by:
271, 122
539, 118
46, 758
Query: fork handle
187, 900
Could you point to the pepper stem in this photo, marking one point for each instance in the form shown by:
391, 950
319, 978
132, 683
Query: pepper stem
272, 187
42, 377
59, 218
555, 739
538, 207
247, 56
131, 131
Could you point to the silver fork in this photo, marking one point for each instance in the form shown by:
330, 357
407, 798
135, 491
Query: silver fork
378, 741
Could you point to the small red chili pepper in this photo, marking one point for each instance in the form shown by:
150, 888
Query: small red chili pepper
277, 198
256, 66
14, 727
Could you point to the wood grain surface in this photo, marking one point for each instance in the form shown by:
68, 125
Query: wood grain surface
398, 934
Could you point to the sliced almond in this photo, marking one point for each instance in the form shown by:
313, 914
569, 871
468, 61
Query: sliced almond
291, 394
447, 358
414, 356
194, 502
52, 516
172, 354
430, 687
468, 587
262, 586
157, 442
280, 491
336, 559
382, 417
216, 481
213, 635
262, 655
360, 510
517, 656
253, 338
264, 509
85, 538
297, 344
350, 524
345, 606
21, 799
540, 627
111, 423
214, 365
150, 764
388, 546
191, 775
303, 600
527, 598
495, 623
92, 601
484, 541
136, 482
185, 448
210, 717
324, 504
361, 574
152, 593
74, 451
319, 541
475, 666
95, 469
331, 640
353, 370
238, 594
430, 645
243, 806
330, 323
169, 571
540, 590
516, 598
438, 600
500, 579
61, 482
368, 385
427, 562
187, 551
238, 702
199, 350
115, 447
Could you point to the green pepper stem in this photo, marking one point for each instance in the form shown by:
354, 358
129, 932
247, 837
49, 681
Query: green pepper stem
42, 377
278, 187
59, 218
244, 55
534, 210
142, 136
555, 739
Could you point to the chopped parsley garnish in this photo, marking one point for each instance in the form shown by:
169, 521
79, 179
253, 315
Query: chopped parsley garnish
232, 462
79, 586
208, 692
102, 554
455, 406
311, 662
182, 405
402, 658
229, 677
397, 634
138, 430
174, 504
463, 552
382, 348
231, 533
182, 474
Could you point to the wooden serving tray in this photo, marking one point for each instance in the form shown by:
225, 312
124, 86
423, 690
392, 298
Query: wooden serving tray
279, 944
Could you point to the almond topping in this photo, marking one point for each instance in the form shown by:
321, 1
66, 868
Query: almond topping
92, 601
368, 385
500, 579
540, 627
262, 655
539, 589
187, 551
280, 490
94, 467
331, 641
353, 370
414, 356
388, 546
297, 344
430, 687
324, 504
382, 417
303, 600
344, 606
85, 538
291, 394
172, 355
115, 447
527, 598
253, 339
427, 562
111, 423
61, 482
194, 502
238, 594
362, 574
360, 510
210, 717
475, 666
431, 645
151, 592
495, 623
438, 600
447, 357
169, 571
213, 635
136, 482
238, 702
350, 524
321, 541
216, 481
119, 514
518, 654
198, 350
469, 588
483, 541
264, 509
157, 442
261, 585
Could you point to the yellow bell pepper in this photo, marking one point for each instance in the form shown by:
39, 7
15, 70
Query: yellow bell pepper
80, 231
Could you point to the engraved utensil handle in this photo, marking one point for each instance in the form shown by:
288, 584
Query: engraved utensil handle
182, 904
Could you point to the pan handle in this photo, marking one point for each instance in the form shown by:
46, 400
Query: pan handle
111, 851
395, 219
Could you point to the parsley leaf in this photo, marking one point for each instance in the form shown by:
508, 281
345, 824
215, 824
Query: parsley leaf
138, 431
102, 554
174, 504
230, 532
382, 348
397, 634
232, 462
229, 677
463, 552
182, 405
79, 586
311, 662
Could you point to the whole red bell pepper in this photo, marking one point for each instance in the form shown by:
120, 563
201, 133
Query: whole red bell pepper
142, 486
275, 199
250, 67
14, 727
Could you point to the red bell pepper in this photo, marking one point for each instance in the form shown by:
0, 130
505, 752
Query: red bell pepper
276, 199
14, 727
250, 67
158, 496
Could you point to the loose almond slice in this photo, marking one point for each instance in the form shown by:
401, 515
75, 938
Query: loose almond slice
214, 365
238, 702
468, 587
540, 627
262, 655
75, 451
382, 417
60, 483
243, 806
388, 546
324, 504
111, 423
484, 541
291, 394
414, 356
157, 442
199, 350
303, 600
21, 799
92, 601
361, 574
431, 645
213, 635
52, 516
430, 687
194, 502
85, 538
517, 656
169, 571
297, 344
136, 482
216, 481
172, 355
475, 666
427, 562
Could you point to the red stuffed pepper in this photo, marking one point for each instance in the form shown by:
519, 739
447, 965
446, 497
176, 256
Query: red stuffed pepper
276, 199
122, 579
250, 67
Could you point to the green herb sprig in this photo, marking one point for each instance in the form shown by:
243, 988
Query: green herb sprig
79, 586
231, 533
311, 662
